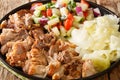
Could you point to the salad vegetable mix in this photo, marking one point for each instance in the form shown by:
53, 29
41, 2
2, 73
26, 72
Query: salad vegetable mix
65, 14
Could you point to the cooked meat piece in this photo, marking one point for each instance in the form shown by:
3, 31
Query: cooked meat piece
28, 43
39, 45
64, 51
17, 20
73, 70
28, 20
35, 65
38, 70
3, 24
64, 45
43, 41
59, 74
53, 49
10, 25
7, 47
21, 19
36, 33
7, 35
38, 56
21, 35
23, 12
54, 66
48, 39
64, 57
88, 69
17, 55
57, 47
11, 35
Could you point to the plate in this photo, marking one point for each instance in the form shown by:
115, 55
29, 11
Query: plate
103, 11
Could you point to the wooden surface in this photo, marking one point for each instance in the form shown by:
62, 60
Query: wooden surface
7, 5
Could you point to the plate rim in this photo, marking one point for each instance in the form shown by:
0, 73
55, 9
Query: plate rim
46, 78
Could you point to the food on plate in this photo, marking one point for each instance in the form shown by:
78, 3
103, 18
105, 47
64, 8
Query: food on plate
98, 40
62, 39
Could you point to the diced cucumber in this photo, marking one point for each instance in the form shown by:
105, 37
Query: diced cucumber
69, 31
71, 5
55, 11
47, 27
64, 1
78, 18
36, 20
53, 6
63, 17
64, 11
42, 7
37, 13
63, 31
48, 5
55, 31
53, 16
53, 21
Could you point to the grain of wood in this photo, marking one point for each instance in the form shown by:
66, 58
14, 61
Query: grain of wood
113, 5
6, 75
115, 73
103, 77
8, 5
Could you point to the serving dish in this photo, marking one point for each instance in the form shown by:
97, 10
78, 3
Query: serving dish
26, 6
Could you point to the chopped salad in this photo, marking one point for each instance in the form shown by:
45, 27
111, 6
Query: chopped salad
63, 16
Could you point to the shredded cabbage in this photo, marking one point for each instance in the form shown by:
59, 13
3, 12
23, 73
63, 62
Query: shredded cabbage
96, 38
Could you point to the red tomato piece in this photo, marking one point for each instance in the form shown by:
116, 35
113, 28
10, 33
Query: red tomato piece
68, 22
43, 13
85, 13
49, 12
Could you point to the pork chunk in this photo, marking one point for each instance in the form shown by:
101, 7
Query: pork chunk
88, 68
36, 62
17, 55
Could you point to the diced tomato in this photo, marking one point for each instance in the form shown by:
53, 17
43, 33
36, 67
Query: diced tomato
68, 22
49, 12
64, 5
34, 5
85, 13
43, 13
85, 2
70, 16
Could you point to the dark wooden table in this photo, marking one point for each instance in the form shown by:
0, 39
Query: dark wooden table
7, 5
